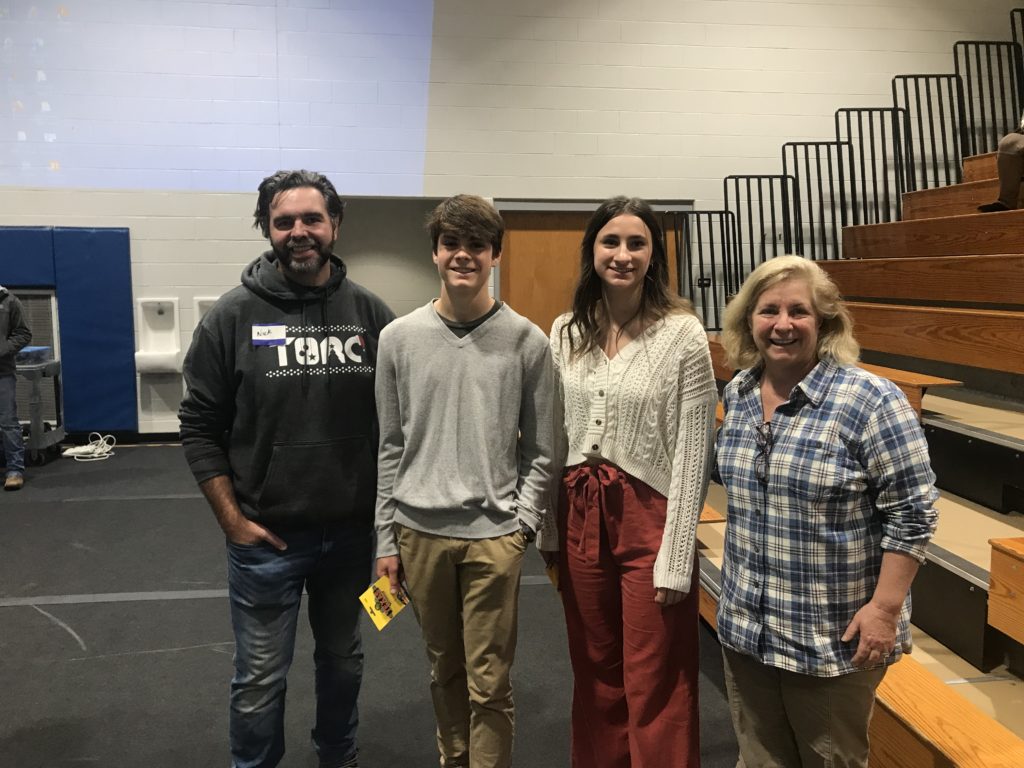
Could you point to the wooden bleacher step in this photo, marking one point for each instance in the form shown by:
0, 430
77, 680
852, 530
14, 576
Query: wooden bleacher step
1006, 588
1002, 419
978, 234
980, 167
953, 200
977, 452
966, 279
711, 515
979, 338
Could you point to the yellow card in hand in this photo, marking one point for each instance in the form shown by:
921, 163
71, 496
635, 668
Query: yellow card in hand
381, 604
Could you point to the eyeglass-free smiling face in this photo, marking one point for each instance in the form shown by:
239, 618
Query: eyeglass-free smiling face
784, 326
622, 252
302, 234
464, 263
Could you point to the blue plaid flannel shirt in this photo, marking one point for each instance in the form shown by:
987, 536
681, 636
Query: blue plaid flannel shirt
848, 477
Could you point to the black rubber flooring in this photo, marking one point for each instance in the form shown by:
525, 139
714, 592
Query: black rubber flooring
115, 643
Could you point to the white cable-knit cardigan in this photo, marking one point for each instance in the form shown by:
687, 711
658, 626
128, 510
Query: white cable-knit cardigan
650, 411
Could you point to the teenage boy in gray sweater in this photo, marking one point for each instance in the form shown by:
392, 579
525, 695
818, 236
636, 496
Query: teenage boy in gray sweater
464, 398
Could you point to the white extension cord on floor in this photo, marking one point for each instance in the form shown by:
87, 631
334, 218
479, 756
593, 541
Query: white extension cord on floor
98, 448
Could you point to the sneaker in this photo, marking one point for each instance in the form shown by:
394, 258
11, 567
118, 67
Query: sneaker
14, 482
995, 207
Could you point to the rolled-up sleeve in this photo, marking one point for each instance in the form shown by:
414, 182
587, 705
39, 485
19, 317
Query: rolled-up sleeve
900, 474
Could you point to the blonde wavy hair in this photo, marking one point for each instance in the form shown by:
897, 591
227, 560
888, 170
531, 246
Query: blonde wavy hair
835, 331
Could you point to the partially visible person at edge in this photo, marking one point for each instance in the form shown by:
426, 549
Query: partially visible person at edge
830, 511
14, 336
638, 397
464, 398
1010, 167
279, 428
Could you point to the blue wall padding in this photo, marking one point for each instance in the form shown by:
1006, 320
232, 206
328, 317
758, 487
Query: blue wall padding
26, 257
97, 333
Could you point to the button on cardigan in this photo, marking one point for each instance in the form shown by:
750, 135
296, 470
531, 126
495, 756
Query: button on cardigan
650, 410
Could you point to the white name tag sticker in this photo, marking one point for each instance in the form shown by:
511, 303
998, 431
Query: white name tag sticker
267, 335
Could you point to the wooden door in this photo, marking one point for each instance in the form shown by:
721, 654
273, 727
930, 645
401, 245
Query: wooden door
540, 262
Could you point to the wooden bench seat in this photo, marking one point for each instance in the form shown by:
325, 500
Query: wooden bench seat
1006, 588
920, 722
914, 385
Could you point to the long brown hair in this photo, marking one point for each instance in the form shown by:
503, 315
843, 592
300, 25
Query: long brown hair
589, 319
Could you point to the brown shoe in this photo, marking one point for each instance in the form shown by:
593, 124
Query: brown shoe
14, 482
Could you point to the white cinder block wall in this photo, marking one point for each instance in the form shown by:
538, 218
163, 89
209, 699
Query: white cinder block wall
540, 99
663, 98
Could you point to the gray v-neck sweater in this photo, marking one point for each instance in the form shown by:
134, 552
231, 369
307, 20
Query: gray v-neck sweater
466, 429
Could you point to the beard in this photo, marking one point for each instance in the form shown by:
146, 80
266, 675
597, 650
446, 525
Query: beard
308, 266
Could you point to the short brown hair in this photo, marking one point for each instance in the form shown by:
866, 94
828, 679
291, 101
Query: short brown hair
466, 216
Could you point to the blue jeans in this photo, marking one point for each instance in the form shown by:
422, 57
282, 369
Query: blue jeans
14, 445
265, 587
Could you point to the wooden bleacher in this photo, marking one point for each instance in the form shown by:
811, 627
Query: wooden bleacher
976, 279
957, 200
943, 253
980, 168
1006, 590
978, 234
980, 338
919, 721
914, 385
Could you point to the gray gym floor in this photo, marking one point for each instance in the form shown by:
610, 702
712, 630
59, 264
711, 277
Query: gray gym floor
115, 643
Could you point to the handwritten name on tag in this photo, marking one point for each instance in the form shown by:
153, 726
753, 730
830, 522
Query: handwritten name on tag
268, 335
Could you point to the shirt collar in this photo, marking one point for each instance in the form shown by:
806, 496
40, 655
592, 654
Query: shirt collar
814, 387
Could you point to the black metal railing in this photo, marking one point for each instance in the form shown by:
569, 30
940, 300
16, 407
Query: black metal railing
820, 171
877, 155
704, 259
993, 73
936, 119
1017, 25
881, 153
765, 207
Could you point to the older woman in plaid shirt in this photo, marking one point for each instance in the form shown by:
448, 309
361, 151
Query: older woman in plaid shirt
830, 511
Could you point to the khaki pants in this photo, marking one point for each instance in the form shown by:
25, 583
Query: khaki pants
465, 593
788, 720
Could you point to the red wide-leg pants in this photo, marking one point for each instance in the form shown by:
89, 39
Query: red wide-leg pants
635, 662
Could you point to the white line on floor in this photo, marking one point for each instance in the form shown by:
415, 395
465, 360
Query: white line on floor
63, 626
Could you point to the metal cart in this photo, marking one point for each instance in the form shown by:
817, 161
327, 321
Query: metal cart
44, 439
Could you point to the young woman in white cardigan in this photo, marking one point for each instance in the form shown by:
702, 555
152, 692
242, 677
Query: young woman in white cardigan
638, 401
